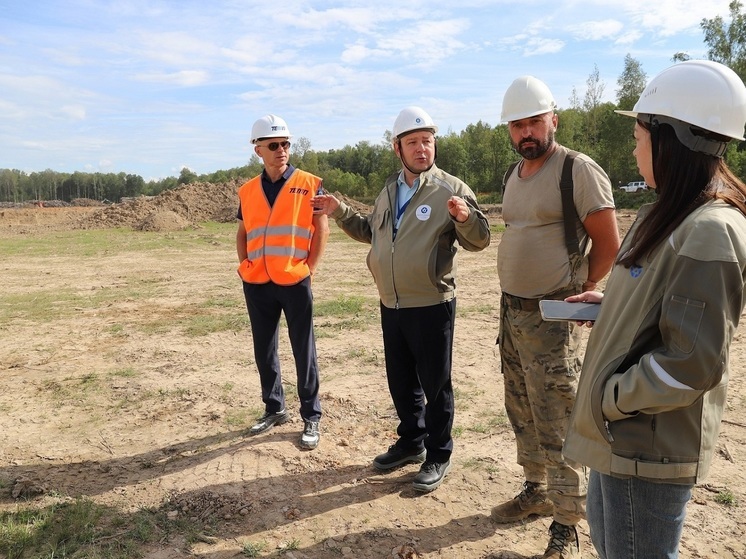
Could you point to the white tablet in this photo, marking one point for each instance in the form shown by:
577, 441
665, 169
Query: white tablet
561, 310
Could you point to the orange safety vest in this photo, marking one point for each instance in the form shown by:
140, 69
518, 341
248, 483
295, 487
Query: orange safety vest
278, 238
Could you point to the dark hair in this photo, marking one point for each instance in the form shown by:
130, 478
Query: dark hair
684, 180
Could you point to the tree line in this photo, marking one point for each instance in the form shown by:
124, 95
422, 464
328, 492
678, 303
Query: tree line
479, 155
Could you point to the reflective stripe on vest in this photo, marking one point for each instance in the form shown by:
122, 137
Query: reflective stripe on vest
278, 239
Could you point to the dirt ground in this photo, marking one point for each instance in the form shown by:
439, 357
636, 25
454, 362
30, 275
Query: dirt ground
116, 400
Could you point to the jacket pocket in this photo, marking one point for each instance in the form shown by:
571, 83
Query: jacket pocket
685, 318
379, 239
380, 220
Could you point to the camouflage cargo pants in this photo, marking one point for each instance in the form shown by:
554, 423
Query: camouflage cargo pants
541, 365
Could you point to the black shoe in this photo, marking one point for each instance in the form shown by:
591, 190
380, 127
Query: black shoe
309, 439
269, 420
431, 475
396, 456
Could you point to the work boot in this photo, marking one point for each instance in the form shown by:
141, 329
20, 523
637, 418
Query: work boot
532, 500
561, 538
398, 456
431, 475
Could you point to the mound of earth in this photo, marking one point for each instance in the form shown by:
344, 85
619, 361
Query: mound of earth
172, 210
177, 208
163, 220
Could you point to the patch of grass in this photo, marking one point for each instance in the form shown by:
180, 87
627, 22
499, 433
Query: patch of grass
223, 303
205, 324
290, 545
727, 498
493, 469
253, 549
72, 389
479, 428
127, 372
360, 353
76, 529
101, 243
492, 422
341, 306
179, 393
343, 314
89, 380
499, 420
483, 308
55, 304
238, 418
117, 330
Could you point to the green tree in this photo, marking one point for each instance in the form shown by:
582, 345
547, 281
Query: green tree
480, 157
349, 184
593, 113
615, 147
452, 155
187, 176
727, 42
301, 146
571, 130
9, 180
631, 83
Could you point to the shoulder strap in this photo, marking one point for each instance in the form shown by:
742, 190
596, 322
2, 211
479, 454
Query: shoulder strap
509, 172
568, 205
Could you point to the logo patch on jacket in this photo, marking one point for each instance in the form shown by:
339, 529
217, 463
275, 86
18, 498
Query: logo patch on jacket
423, 212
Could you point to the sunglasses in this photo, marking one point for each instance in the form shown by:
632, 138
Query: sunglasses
272, 146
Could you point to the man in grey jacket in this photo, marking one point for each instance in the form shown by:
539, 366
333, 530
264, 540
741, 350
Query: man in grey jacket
416, 220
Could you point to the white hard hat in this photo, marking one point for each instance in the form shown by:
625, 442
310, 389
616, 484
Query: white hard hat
700, 93
526, 96
269, 126
411, 119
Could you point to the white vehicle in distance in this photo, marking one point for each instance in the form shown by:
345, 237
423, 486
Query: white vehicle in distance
634, 186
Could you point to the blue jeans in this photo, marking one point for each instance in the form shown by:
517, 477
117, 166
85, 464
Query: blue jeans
635, 519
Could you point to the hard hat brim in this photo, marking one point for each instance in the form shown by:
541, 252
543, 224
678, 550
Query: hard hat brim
255, 140
433, 129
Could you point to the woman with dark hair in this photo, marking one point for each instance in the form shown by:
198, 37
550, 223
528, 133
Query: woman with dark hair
653, 384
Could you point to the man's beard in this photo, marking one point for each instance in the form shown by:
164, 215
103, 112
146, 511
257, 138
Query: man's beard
539, 148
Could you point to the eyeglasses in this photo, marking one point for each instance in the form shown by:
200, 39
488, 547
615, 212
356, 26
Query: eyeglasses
272, 146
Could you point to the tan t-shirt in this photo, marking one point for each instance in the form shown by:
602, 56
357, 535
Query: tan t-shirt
532, 258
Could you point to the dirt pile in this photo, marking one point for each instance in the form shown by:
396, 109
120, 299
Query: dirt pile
179, 208
171, 210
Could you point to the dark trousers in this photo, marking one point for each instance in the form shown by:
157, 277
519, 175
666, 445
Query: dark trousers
265, 302
418, 344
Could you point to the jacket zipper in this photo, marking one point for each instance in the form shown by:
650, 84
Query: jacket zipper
608, 431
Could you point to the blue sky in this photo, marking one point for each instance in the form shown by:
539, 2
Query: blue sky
149, 86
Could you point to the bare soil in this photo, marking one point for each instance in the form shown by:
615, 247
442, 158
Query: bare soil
117, 401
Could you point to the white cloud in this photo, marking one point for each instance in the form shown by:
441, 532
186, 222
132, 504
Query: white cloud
186, 78
174, 48
537, 46
146, 86
73, 112
359, 52
596, 30
629, 37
